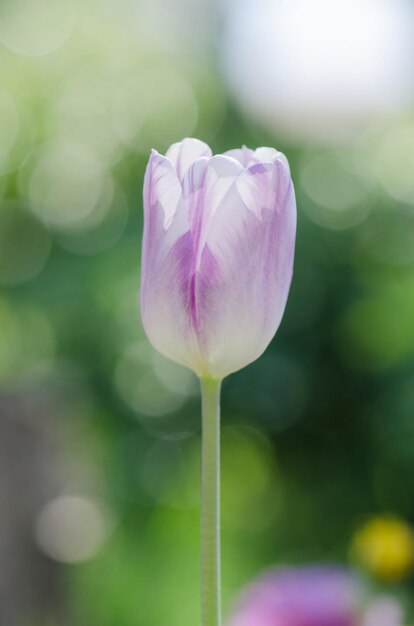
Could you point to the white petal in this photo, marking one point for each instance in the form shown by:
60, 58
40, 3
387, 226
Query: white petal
264, 155
185, 152
242, 155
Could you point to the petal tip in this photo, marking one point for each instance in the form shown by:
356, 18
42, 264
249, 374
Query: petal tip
225, 165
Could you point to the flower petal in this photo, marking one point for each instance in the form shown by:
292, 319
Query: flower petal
264, 155
165, 303
246, 267
162, 193
242, 155
167, 252
162, 189
204, 188
185, 152
246, 157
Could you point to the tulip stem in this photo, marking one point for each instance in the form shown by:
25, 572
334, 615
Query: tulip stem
210, 504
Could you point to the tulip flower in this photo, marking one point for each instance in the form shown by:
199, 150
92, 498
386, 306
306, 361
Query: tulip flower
313, 596
217, 262
217, 256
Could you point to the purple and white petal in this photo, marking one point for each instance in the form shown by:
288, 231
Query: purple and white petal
183, 153
167, 252
204, 189
243, 155
246, 268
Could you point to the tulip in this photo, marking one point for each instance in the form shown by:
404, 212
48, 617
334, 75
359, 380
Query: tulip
313, 596
217, 262
217, 254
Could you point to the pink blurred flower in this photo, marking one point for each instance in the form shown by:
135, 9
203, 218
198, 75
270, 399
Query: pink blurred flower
312, 596
217, 256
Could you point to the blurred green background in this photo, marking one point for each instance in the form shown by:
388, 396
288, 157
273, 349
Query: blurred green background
99, 435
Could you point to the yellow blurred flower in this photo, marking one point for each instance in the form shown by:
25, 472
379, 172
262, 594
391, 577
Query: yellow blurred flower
384, 545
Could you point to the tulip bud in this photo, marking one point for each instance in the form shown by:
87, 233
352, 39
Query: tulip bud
217, 256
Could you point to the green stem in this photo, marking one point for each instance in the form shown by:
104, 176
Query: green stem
210, 504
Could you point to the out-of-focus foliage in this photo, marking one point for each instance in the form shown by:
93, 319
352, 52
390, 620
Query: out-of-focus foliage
318, 434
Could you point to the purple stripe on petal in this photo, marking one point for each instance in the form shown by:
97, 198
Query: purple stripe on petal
205, 185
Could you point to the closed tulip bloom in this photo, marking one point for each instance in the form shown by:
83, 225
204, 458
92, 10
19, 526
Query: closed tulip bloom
217, 258
313, 596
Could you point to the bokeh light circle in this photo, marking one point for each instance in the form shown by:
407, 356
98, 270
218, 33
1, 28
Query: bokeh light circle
148, 103
102, 229
71, 529
84, 113
339, 196
391, 156
139, 386
36, 27
63, 182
